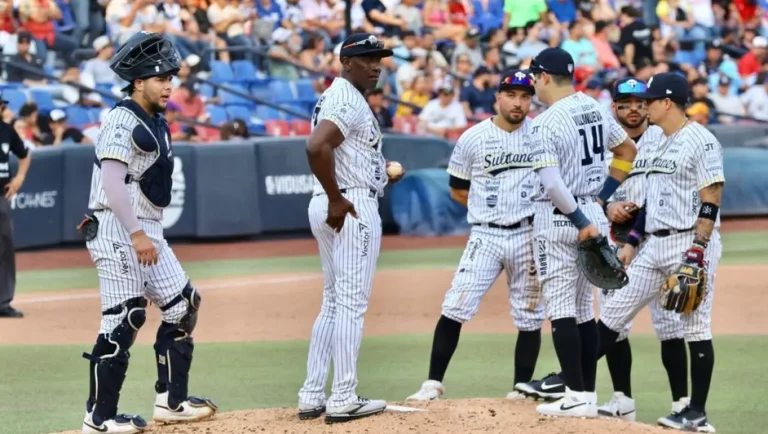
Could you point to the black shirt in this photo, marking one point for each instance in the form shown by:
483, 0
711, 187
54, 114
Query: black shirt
383, 116
18, 75
639, 35
9, 142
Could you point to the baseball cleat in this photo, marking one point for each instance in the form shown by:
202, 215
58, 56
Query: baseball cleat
573, 404
308, 411
431, 390
359, 408
549, 388
122, 423
193, 409
687, 420
619, 406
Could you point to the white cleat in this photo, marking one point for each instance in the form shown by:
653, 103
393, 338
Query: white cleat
619, 406
679, 405
122, 423
193, 409
360, 408
431, 390
573, 404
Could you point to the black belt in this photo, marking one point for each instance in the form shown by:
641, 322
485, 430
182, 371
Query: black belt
579, 200
668, 232
517, 225
371, 192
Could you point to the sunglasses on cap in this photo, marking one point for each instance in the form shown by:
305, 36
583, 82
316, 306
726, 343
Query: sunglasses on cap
371, 41
630, 87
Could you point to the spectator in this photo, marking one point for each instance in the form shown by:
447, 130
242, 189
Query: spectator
470, 46
325, 21
427, 42
704, 17
492, 61
228, 22
37, 17
375, 98
189, 69
403, 51
464, 69
381, 16
293, 17
746, 13
23, 56
699, 92
479, 95
190, 103
417, 94
196, 10
60, 132
635, 40
177, 132
699, 112
27, 125
121, 18
98, 67
532, 44
596, 10
518, 13
73, 94
594, 89
755, 99
443, 115
235, 130
410, 12
7, 21
66, 24
726, 103
165, 17
89, 20
438, 19
749, 64
488, 16
606, 58
579, 47
269, 15
409, 71
360, 23
564, 10
677, 23
280, 54
510, 49
315, 56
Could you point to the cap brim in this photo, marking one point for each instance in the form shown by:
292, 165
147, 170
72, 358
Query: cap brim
2, 101
516, 86
649, 95
376, 52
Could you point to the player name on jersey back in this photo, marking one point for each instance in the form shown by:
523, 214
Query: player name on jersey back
499, 167
678, 169
633, 188
573, 134
358, 160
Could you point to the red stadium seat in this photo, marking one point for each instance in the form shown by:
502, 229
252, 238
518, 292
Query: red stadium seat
276, 127
301, 127
454, 135
405, 124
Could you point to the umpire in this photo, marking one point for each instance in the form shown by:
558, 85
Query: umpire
9, 186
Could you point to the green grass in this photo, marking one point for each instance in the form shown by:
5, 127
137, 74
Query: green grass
43, 388
739, 248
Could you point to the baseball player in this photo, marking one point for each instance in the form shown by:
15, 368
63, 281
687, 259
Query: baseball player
344, 152
683, 195
491, 172
131, 185
622, 209
570, 140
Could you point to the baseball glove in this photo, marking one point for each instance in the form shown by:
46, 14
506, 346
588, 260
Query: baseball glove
620, 231
600, 265
684, 289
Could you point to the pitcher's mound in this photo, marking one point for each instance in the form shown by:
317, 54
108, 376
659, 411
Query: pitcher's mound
492, 416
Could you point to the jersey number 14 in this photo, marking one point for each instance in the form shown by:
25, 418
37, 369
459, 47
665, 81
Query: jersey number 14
593, 148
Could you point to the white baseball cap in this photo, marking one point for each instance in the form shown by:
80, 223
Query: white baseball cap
101, 43
281, 35
57, 115
759, 42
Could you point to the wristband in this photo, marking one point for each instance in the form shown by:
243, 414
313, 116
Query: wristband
578, 219
633, 239
610, 186
708, 211
624, 166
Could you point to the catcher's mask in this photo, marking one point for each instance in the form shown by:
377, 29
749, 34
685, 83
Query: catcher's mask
145, 55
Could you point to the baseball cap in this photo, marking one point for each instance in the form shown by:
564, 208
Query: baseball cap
517, 78
24, 37
724, 80
172, 106
759, 42
473, 33
445, 89
481, 70
594, 84
628, 86
363, 44
554, 61
667, 85
57, 115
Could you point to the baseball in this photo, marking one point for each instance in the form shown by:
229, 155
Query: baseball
394, 169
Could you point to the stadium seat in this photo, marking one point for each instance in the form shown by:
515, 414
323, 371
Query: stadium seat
262, 92
405, 124
239, 112
78, 116
257, 129
228, 98
221, 72
300, 108
245, 72
454, 135
276, 127
218, 114
43, 99
16, 98
301, 127
206, 90
282, 91
305, 90
266, 113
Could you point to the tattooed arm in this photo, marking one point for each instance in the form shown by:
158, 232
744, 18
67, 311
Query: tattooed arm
711, 194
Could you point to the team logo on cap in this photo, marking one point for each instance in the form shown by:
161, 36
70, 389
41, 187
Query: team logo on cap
570, 67
632, 83
650, 80
520, 76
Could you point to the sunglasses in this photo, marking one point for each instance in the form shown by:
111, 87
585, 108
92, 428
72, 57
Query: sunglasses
371, 41
631, 86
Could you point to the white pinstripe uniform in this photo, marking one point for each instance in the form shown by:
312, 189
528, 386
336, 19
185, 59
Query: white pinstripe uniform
499, 166
682, 165
121, 277
574, 134
349, 257
666, 323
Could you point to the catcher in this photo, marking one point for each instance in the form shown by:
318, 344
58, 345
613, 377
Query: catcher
675, 268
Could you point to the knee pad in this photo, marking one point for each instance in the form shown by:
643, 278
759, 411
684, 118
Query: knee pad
185, 316
109, 359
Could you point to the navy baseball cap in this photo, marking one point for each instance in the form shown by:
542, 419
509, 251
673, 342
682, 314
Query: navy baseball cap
724, 80
363, 44
667, 85
628, 86
554, 61
516, 78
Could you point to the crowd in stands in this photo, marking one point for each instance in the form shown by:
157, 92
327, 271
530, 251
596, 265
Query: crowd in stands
448, 58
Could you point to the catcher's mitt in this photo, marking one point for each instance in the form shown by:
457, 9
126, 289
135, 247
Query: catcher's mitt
620, 231
600, 265
684, 289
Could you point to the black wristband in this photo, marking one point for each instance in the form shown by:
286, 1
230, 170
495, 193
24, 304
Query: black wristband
709, 211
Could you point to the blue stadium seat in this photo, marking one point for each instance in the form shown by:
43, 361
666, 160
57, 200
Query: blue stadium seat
218, 114
221, 72
266, 113
244, 71
78, 116
282, 91
305, 90
206, 90
297, 107
43, 99
238, 111
94, 113
16, 98
263, 93
257, 129
228, 98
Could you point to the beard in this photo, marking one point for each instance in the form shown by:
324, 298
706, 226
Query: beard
630, 124
513, 121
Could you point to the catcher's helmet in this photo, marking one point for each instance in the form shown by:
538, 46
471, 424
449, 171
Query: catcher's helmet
145, 55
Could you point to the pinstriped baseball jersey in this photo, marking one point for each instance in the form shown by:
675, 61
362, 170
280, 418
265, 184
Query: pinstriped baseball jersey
690, 161
574, 134
633, 188
115, 142
358, 160
500, 167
